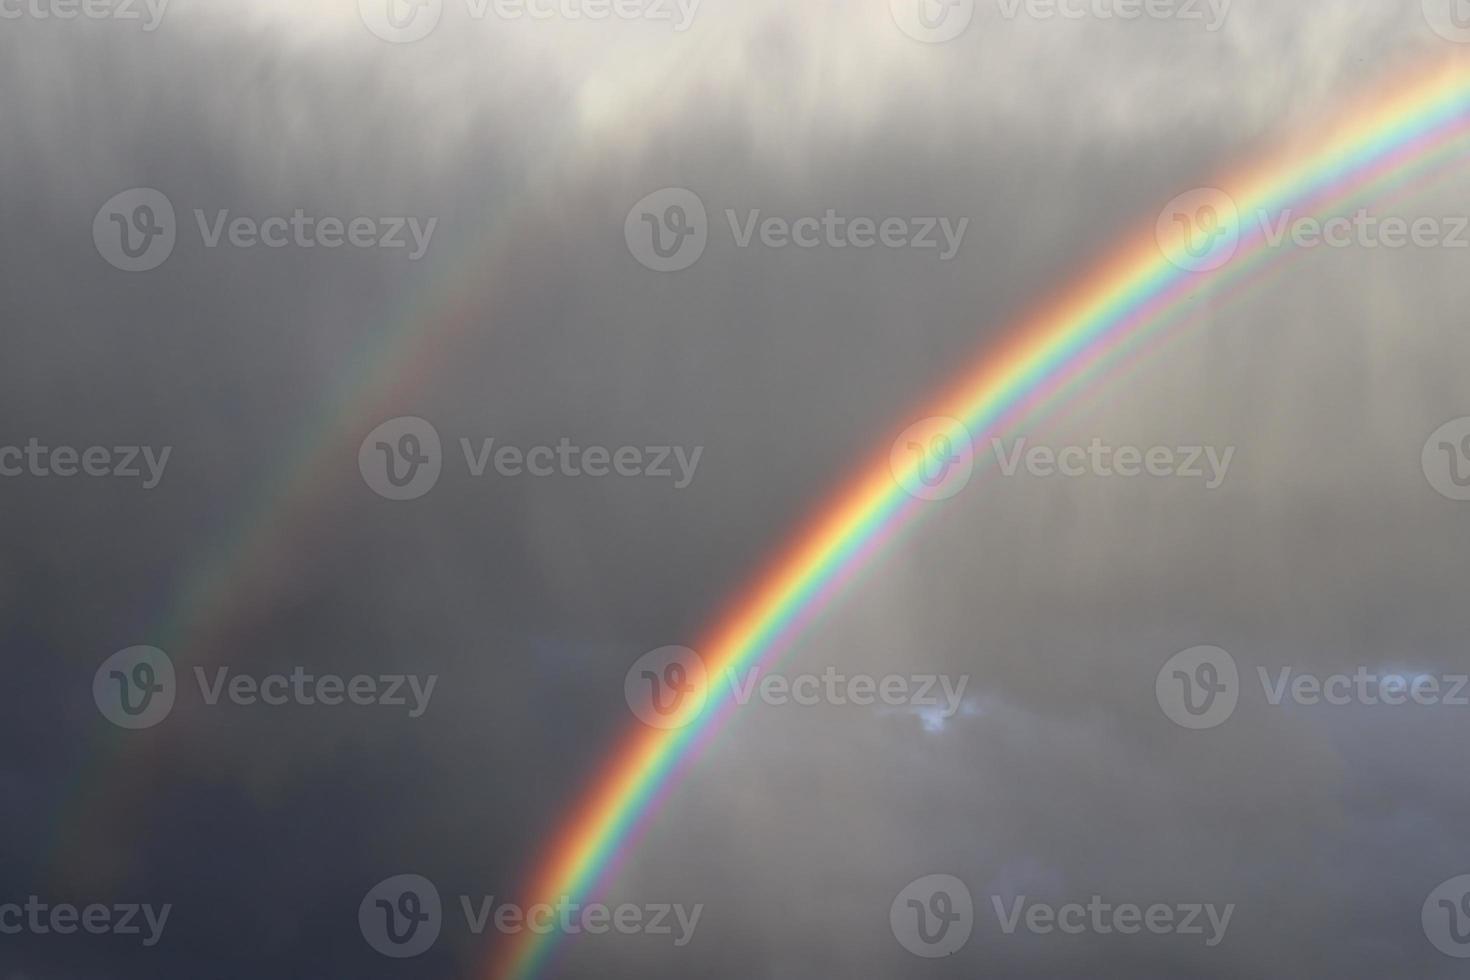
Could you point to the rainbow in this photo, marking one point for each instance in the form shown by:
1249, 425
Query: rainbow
1139, 287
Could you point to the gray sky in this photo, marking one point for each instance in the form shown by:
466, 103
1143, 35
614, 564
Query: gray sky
528, 320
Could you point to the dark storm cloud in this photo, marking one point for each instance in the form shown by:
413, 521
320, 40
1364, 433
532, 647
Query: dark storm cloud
529, 599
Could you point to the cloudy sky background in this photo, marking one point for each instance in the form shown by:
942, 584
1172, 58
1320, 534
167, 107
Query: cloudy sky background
1325, 549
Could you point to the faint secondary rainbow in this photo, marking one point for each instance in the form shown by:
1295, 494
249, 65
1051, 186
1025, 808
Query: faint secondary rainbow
1133, 292
414, 342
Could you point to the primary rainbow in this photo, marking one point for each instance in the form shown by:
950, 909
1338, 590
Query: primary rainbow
1133, 292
